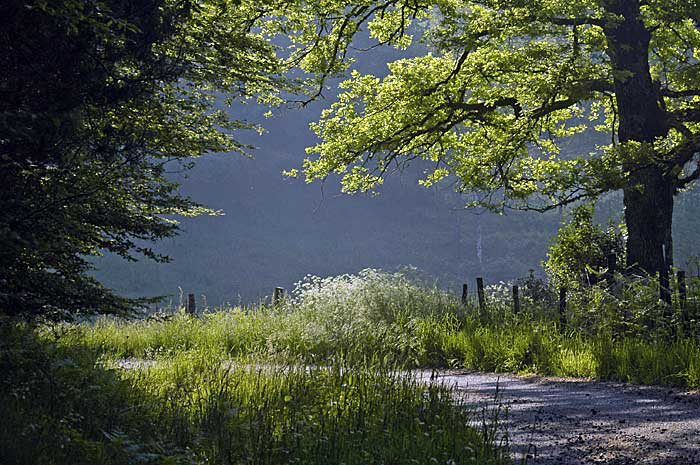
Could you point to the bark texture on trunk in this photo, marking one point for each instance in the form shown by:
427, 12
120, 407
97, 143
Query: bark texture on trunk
648, 215
648, 199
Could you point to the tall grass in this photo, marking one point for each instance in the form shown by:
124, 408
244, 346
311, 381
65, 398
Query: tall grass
622, 333
369, 315
60, 404
238, 414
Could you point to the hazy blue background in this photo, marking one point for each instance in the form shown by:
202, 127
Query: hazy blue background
276, 230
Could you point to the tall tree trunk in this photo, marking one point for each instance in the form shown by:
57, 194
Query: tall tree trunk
648, 198
648, 215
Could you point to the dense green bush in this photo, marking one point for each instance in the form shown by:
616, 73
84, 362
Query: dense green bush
581, 251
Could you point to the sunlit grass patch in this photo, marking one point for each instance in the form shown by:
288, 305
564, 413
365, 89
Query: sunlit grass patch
577, 360
235, 331
638, 361
296, 414
375, 315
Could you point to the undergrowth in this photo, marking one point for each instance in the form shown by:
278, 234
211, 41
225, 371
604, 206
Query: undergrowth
320, 378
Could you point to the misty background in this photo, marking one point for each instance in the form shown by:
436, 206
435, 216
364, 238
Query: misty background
276, 230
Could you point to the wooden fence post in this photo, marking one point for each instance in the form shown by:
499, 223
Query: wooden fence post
682, 290
516, 299
665, 296
465, 293
480, 293
191, 304
683, 301
278, 296
664, 288
612, 268
664, 291
562, 307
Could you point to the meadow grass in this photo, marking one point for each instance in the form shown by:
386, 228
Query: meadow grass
374, 315
63, 403
320, 378
371, 315
295, 414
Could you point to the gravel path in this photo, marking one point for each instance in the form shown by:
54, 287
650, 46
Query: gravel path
574, 422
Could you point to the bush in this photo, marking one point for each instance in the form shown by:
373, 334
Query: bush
582, 251
370, 313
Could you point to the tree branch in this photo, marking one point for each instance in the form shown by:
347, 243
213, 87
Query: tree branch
683, 182
576, 21
686, 115
682, 155
680, 93
579, 92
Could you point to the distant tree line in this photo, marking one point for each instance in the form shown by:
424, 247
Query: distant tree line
101, 97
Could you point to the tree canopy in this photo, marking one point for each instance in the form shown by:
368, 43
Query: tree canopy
100, 99
505, 85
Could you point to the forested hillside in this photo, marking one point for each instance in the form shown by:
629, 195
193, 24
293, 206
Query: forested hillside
276, 230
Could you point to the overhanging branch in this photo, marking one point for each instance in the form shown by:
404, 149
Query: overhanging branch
686, 115
575, 21
578, 93
683, 182
680, 93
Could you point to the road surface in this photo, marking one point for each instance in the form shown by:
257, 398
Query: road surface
574, 422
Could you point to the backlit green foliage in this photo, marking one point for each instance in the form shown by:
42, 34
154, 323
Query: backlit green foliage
582, 252
504, 87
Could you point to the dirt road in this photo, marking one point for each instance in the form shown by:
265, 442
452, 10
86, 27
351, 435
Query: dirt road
573, 422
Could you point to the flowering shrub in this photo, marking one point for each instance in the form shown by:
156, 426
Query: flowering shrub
368, 312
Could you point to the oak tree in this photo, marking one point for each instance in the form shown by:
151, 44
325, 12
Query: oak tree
504, 86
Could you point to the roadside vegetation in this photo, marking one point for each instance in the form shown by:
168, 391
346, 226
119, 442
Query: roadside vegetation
322, 376
620, 333
64, 400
